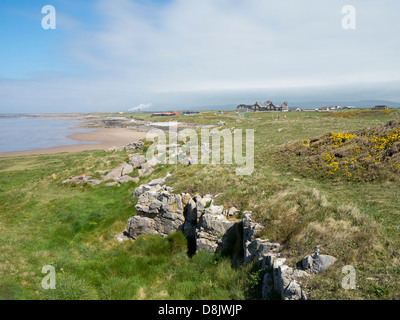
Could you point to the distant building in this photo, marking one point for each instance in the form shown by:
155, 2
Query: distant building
299, 109
245, 108
380, 108
323, 109
165, 114
188, 113
262, 106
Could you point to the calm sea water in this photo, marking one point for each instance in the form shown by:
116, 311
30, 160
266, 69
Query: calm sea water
23, 133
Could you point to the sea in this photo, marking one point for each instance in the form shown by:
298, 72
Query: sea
28, 133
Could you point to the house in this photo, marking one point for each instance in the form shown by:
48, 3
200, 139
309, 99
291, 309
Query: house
298, 109
380, 108
244, 108
323, 109
165, 114
262, 106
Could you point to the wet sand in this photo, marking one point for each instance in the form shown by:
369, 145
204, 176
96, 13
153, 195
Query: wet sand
105, 138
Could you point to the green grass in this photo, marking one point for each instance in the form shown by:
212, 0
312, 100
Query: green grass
71, 227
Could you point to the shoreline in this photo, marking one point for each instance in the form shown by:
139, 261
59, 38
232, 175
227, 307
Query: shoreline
105, 138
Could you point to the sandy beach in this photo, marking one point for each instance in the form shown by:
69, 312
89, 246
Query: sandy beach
105, 138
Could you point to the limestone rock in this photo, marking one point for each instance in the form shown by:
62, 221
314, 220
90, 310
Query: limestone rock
253, 247
136, 160
212, 232
194, 209
257, 248
159, 212
286, 281
232, 211
316, 263
122, 170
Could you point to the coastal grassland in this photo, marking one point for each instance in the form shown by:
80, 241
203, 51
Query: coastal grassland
356, 221
72, 228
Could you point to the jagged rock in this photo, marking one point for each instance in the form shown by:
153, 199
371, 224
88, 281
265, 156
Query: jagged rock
257, 248
286, 281
136, 160
110, 184
193, 211
186, 197
122, 170
212, 232
253, 247
215, 210
159, 212
250, 227
232, 211
316, 263
145, 169
131, 146
153, 187
134, 145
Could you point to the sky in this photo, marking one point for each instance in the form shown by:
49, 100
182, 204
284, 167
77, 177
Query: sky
180, 54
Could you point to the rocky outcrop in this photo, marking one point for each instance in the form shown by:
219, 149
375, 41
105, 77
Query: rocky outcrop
282, 279
159, 211
120, 175
162, 212
255, 248
129, 147
123, 169
194, 209
279, 279
213, 231
286, 281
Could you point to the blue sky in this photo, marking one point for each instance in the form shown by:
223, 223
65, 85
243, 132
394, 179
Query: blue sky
115, 55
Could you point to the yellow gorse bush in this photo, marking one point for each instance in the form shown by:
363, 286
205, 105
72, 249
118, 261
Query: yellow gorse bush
361, 155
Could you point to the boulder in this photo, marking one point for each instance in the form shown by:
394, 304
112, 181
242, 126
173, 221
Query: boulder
122, 170
316, 263
212, 232
159, 211
232, 211
258, 248
136, 160
134, 145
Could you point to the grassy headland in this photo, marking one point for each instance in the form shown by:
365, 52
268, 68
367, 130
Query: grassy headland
43, 222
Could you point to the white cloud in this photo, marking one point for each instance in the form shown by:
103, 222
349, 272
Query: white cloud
187, 49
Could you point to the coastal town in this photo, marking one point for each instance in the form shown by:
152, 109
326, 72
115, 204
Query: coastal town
269, 106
